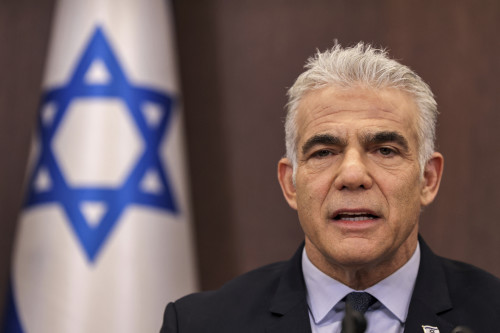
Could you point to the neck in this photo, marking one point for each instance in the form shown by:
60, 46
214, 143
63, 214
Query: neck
361, 276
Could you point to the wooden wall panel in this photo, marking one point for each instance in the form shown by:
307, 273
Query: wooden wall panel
24, 31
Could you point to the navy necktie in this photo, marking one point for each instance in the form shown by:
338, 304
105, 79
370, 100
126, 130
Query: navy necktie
360, 301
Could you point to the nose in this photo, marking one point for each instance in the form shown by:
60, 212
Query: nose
353, 172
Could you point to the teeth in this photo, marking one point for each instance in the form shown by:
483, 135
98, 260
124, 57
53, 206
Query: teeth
354, 217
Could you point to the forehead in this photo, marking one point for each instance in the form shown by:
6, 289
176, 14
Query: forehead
358, 108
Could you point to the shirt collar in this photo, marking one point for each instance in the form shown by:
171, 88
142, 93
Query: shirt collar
394, 292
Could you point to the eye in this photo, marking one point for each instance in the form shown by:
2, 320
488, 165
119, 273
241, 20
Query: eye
386, 151
321, 153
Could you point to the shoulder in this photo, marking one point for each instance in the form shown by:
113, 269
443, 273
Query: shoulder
241, 305
248, 303
467, 281
475, 295
458, 293
242, 289
458, 277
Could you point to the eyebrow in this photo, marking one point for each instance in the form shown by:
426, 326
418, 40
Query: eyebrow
384, 137
323, 139
367, 139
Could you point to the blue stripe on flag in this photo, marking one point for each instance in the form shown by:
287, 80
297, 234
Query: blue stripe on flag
11, 323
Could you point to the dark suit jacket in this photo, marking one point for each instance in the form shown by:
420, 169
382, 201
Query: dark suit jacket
273, 299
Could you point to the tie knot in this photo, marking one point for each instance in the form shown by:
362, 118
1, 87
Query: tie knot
360, 301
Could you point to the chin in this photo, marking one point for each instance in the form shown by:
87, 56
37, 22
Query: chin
356, 260
356, 252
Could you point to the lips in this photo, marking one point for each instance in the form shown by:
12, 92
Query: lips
354, 216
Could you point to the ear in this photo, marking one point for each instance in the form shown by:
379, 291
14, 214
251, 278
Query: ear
432, 178
285, 177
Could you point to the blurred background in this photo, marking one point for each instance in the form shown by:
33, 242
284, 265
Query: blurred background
237, 59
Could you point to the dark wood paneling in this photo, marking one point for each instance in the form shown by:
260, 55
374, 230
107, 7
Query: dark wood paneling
24, 31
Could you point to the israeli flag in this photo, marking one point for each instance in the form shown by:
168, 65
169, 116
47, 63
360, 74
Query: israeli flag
105, 236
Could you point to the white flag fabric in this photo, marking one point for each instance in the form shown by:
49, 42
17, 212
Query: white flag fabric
105, 237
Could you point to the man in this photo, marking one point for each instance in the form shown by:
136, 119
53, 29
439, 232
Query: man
360, 165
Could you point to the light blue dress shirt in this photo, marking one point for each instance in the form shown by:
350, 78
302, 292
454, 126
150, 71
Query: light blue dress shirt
388, 314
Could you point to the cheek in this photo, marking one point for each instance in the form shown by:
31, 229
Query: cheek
312, 188
311, 192
404, 200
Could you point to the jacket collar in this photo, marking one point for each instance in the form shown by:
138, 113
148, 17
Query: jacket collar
431, 297
289, 305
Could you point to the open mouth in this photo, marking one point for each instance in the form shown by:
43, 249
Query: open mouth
354, 217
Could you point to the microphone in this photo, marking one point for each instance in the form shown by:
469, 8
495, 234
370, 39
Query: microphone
355, 322
462, 329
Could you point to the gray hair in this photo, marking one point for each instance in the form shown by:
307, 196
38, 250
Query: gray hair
362, 64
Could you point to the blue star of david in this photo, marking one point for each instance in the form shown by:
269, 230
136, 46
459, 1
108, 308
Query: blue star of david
116, 199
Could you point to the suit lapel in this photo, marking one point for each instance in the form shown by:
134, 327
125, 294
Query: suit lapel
431, 297
296, 320
422, 314
289, 305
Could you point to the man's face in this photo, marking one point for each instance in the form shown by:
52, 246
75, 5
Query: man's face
358, 188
